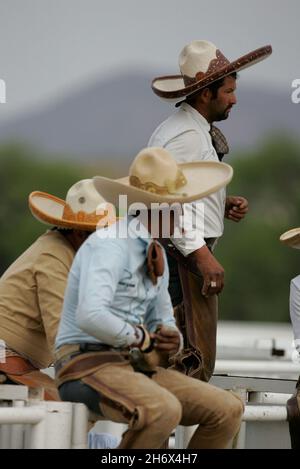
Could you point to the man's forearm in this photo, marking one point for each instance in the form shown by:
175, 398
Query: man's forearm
106, 327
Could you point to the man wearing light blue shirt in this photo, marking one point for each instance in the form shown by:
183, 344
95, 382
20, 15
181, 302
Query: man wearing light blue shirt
109, 292
117, 333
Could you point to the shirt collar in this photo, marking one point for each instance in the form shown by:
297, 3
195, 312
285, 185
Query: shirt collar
196, 116
138, 230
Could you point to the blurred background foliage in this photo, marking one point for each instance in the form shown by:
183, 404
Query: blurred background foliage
258, 269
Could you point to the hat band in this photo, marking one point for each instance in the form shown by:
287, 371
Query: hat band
216, 64
170, 185
81, 216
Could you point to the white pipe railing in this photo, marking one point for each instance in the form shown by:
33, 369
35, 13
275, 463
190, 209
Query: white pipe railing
265, 413
258, 368
268, 398
11, 415
79, 426
18, 430
43, 424
262, 407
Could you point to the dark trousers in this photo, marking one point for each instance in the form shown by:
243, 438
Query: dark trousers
175, 288
77, 391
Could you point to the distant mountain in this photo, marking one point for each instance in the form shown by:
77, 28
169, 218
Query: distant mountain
113, 119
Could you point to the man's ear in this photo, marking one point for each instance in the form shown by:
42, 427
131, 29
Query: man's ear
206, 95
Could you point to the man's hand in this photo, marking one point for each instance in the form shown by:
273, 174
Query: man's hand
143, 339
212, 272
166, 339
236, 208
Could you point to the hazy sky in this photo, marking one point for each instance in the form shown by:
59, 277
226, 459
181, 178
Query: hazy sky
50, 46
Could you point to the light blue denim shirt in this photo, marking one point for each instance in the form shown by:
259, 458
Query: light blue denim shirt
108, 290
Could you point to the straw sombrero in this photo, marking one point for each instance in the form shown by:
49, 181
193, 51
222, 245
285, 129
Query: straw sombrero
201, 64
155, 177
84, 208
291, 238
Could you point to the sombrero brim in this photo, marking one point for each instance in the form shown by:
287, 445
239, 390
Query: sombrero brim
203, 178
173, 88
49, 209
291, 238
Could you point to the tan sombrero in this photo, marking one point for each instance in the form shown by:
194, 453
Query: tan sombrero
155, 177
291, 238
83, 209
201, 63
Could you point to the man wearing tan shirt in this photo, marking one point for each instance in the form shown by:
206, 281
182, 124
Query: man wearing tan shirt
32, 288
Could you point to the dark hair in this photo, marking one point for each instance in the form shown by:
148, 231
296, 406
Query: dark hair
214, 87
63, 231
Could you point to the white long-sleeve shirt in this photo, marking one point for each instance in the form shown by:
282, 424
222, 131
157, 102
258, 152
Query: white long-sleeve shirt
185, 134
295, 309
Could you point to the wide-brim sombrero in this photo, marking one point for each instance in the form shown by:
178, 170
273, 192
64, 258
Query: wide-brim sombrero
203, 178
54, 211
291, 238
174, 87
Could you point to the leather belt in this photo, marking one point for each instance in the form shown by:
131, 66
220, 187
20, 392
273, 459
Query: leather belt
69, 349
66, 352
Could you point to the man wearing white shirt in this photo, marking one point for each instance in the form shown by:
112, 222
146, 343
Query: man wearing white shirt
292, 238
205, 92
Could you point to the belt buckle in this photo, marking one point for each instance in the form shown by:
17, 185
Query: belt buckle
83, 347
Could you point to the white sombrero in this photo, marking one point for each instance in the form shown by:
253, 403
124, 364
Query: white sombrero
155, 177
202, 63
291, 238
83, 209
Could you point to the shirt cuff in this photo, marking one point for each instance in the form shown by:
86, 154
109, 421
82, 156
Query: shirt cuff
187, 246
133, 336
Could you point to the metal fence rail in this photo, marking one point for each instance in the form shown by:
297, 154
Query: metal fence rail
38, 424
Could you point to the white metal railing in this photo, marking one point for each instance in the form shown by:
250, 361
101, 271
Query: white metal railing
265, 413
261, 407
34, 423
43, 424
258, 368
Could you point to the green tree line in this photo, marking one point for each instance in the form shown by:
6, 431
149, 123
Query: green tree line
258, 269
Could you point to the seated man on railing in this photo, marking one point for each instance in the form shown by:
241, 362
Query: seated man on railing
32, 288
117, 333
